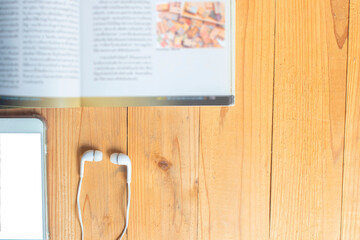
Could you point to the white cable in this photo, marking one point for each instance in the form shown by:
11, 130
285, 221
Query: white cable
79, 209
127, 211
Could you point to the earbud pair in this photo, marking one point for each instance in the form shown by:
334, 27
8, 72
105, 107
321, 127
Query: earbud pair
115, 158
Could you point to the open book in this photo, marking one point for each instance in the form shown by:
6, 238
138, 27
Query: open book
68, 53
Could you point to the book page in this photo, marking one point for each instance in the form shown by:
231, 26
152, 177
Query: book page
156, 48
40, 48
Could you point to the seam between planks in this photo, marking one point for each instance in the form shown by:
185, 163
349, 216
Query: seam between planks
127, 130
344, 143
272, 123
198, 177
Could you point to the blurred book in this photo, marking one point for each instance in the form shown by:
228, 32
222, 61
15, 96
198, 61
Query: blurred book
117, 53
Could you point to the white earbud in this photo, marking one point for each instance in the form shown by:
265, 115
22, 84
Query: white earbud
88, 156
124, 160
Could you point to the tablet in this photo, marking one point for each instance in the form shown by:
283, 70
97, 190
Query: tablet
23, 191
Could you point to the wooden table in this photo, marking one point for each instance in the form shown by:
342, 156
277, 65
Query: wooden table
283, 164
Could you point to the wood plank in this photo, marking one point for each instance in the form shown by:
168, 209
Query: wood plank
103, 197
351, 184
235, 147
163, 146
70, 133
309, 117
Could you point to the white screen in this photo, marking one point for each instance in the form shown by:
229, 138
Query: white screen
20, 186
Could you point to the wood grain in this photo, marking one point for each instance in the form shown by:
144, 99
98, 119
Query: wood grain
309, 117
269, 168
351, 184
70, 133
103, 197
163, 143
235, 142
